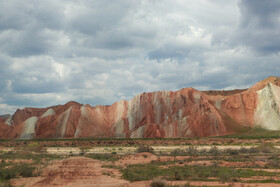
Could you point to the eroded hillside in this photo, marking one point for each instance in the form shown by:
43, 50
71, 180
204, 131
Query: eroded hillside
163, 114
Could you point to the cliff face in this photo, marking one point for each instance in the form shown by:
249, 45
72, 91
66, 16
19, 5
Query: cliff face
166, 114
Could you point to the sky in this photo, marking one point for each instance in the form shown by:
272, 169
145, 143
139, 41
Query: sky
102, 51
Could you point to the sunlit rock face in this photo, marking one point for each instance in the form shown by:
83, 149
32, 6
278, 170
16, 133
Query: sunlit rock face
267, 113
164, 114
241, 107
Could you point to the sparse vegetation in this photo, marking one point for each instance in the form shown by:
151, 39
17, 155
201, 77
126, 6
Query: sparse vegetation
195, 172
28, 156
22, 163
106, 173
158, 182
144, 148
104, 157
35, 147
185, 162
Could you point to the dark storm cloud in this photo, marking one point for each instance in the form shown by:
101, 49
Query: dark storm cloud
259, 26
99, 52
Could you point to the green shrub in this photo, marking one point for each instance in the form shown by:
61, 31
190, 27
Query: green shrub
178, 152
19, 170
225, 174
158, 183
177, 176
144, 148
144, 172
26, 171
273, 163
36, 147
108, 166
243, 150
232, 151
266, 147
192, 151
106, 173
5, 184
214, 151
103, 157
253, 150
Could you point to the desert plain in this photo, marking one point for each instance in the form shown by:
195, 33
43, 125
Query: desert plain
251, 159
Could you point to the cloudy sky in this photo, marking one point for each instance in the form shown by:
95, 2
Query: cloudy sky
102, 51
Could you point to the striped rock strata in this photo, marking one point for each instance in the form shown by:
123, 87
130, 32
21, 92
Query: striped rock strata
166, 114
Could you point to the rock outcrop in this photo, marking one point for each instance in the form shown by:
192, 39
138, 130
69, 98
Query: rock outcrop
163, 114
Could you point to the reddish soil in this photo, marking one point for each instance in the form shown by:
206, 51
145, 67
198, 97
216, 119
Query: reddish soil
144, 158
243, 164
141, 158
82, 171
222, 163
74, 171
17, 161
236, 184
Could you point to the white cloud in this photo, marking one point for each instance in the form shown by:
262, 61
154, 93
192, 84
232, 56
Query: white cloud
8, 109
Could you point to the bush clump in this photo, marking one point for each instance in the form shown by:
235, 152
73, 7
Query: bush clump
104, 157
16, 171
214, 151
266, 147
178, 152
144, 148
158, 183
192, 151
35, 147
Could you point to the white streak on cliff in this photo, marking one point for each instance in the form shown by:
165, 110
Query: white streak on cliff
134, 112
9, 121
267, 114
65, 116
83, 115
29, 128
119, 125
139, 133
49, 112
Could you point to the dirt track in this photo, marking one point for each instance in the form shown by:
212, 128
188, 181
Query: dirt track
74, 171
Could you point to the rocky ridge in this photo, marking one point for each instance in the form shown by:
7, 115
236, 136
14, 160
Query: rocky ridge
163, 114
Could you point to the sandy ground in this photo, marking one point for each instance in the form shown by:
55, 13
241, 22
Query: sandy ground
129, 150
82, 172
74, 171
122, 150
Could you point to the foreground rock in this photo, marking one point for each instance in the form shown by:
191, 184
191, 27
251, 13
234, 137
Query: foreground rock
164, 114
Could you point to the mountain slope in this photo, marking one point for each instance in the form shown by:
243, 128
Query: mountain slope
164, 114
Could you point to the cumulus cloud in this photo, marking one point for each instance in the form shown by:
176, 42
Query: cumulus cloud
99, 52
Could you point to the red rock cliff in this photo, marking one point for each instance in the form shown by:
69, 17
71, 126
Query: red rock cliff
165, 114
